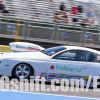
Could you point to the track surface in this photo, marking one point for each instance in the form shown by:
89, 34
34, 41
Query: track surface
89, 94
33, 96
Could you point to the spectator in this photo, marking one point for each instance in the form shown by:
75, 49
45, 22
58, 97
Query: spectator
57, 16
84, 22
62, 7
2, 7
91, 17
75, 20
5, 11
74, 10
66, 16
50, 1
80, 9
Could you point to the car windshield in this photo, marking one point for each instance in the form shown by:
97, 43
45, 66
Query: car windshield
53, 50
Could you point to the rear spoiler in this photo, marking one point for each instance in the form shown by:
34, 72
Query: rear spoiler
24, 47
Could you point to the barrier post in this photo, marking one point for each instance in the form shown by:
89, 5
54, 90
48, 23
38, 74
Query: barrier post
17, 30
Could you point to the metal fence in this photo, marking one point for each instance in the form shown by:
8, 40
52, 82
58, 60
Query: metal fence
52, 32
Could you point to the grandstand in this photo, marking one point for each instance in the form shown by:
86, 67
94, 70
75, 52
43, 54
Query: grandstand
37, 10
34, 20
96, 7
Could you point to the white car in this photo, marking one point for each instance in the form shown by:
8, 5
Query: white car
57, 62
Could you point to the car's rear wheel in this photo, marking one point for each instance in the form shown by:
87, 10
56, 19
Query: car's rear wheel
23, 70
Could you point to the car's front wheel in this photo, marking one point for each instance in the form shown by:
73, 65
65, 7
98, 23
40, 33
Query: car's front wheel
23, 70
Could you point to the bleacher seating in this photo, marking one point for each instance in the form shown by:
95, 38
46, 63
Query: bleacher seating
39, 10
35, 17
96, 6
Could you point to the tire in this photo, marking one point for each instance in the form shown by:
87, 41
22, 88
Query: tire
22, 70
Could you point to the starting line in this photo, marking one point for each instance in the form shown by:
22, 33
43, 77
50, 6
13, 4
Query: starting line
8, 95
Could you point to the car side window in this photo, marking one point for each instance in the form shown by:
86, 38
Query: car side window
97, 58
90, 56
93, 57
74, 55
81, 55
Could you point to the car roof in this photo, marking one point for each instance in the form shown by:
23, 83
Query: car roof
81, 48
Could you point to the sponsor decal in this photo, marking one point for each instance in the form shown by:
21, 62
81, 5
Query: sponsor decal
52, 67
52, 75
62, 74
85, 77
68, 69
28, 47
43, 74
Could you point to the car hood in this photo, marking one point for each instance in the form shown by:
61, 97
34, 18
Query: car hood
24, 55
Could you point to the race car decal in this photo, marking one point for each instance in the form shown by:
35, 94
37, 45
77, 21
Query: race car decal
66, 69
24, 47
61, 76
52, 67
27, 47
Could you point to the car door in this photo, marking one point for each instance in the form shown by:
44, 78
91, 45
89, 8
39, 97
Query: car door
71, 63
94, 59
